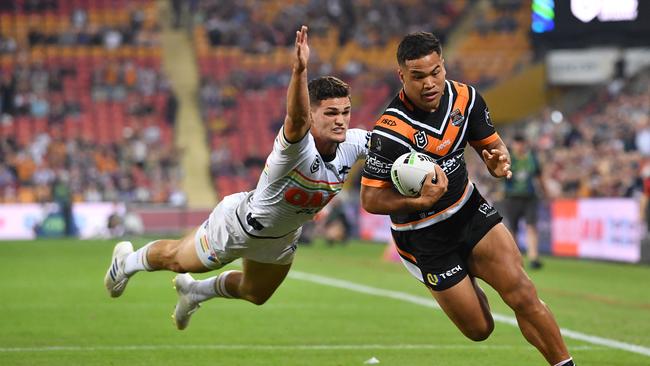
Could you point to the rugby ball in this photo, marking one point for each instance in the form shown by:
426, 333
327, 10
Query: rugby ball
409, 170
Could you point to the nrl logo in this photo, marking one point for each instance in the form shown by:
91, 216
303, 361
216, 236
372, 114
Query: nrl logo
456, 117
421, 139
315, 165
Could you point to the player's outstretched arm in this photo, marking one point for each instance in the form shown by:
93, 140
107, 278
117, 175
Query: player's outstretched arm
496, 158
297, 122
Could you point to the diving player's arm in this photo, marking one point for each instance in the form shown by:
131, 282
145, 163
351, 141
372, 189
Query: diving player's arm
297, 122
386, 200
496, 158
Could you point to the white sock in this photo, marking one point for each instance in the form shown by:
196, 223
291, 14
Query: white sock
220, 285
204, 289
563, 362
137, 261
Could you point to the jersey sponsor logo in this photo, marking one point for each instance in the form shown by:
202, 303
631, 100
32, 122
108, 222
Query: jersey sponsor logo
301, 198
315, 165
452, 163
421, 140
443, 145
375, 166
456, 117
388, 122
434, 279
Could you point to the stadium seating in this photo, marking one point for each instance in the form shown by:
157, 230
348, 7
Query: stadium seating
601, 136
497, 45
96, 93
254, 74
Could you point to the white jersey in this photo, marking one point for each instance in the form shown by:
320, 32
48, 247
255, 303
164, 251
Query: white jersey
297, 183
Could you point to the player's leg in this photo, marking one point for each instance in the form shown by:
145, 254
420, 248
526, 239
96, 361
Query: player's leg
466, 305
174, 255
496, 260
166, 254
256, 282
265, 265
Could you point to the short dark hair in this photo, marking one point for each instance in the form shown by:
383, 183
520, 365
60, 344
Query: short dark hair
417, 45
327, 87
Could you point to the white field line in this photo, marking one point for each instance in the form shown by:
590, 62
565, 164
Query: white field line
260, 347
430, 303
347, 285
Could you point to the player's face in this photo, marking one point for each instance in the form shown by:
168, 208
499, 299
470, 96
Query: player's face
330, 119
424, 81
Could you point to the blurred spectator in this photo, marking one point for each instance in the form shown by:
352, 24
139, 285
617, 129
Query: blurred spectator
606, 138
62, 196
336, 224
521, 195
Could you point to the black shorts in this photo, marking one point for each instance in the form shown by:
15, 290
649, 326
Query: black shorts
437, 255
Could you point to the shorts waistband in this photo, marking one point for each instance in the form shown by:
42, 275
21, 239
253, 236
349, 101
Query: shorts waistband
437, 217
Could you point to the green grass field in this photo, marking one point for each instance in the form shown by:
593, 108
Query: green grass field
55, 311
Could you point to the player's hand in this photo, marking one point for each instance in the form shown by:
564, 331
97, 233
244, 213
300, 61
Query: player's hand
497, 162
433, 189
301, 54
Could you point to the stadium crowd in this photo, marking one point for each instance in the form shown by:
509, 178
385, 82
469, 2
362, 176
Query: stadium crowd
609, 138
138, 169
101, 124
259, 26
600, 150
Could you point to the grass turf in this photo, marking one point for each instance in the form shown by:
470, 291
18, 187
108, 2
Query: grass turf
56, 312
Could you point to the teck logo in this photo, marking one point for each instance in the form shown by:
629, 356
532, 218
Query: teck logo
434, 279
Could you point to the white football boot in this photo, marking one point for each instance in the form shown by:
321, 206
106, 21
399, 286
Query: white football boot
115, 279
186, 305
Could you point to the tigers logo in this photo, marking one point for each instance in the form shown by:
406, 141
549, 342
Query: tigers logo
487, 118
456, 117
421, 139
315, 165
377, 144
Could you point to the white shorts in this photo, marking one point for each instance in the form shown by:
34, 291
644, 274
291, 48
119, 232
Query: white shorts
221, 239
